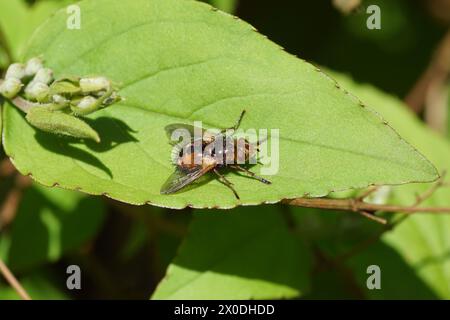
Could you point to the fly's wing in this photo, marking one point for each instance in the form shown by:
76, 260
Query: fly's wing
179, 179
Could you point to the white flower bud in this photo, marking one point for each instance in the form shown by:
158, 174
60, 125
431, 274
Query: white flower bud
37, 90
58, 99
10, 87
44, 75
87, 102
33, 66
16, 71
94, 84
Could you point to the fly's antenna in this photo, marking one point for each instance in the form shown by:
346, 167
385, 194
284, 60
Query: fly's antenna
239, 120
236, 126
260, 142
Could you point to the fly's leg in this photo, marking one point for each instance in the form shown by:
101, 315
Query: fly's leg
251, 174
236, 126
226, 182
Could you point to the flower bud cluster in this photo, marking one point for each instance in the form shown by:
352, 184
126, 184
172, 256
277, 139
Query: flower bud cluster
33, 86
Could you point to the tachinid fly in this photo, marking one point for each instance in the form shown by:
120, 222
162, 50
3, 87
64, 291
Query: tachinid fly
193, 162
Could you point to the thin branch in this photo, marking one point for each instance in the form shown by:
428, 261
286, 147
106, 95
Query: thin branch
438, 68
23, 104
371, 240
369, 210
352, 204
393, 224
14, 283
373, 217
8, 208
368, 192
424, 196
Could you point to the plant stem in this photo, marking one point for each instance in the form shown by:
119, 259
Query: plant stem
11, 279
355, 205
23, 104
437, 70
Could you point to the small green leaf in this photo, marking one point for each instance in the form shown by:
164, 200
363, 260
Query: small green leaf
241, 254
60, 123
65, 87
181, 61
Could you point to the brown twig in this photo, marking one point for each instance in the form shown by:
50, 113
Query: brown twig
23, 104
373, 217
355, 205
424, 196
368, 192
388, 227
8, 208
14, 283
369, 210
437, 70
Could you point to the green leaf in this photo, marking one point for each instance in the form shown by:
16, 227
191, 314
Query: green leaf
49, 222
241, 254
3, 58
225, 5
18, 21
448, 111
422, 241
180, 61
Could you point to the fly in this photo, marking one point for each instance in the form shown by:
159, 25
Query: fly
191, 164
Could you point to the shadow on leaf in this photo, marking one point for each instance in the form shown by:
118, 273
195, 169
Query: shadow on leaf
62, 145
113, 132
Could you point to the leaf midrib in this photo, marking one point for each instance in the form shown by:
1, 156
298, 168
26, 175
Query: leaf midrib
282, 137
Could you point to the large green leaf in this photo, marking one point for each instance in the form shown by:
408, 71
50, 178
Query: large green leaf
49, 222
18, 20
181, 61
243, 254
3, 58
423, 240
